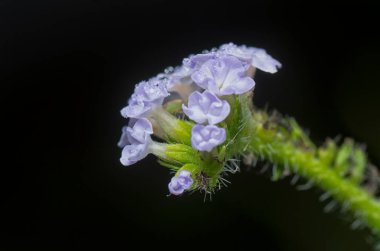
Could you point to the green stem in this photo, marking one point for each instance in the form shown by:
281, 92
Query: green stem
285, 145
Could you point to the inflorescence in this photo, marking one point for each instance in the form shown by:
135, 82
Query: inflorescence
189, 110
199, 120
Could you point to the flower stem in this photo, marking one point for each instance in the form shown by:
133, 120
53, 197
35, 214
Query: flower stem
281, 142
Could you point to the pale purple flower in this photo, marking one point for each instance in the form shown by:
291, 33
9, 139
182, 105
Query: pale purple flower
135, 140
242, 52
206, 107
180, 75
136, 108
175, 187
205, 138
139, 131
185, 179
257, 57
223, 76
153, 91
133, 153
196, 61
147, 95
180, 183
263, 61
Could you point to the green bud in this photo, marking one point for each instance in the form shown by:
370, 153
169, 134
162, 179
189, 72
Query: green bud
174, 130
182, 154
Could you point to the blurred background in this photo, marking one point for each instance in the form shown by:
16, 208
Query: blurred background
68, 67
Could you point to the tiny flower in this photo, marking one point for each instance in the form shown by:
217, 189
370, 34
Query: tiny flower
205, 138
135, 139
180, 183
206, 107
257, 57
175, 187
241, 52
184, 178
180, 75
179, 81
196, 61
139, 131
153, 91
147, 95
133, 153
136, 108
263, 61
223, 76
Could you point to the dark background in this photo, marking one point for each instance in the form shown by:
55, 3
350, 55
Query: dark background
68, 67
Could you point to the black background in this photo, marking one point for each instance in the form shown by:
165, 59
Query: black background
68, 67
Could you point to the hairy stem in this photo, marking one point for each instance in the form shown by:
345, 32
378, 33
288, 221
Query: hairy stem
336, 170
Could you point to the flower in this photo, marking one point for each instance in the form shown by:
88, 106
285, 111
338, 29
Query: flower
136, 108
175, 187
153, 91
243, 52
178, 184
133, 153
205, 138
179, 81
206, 106
135, 140
263, 61
147, 95
139, 131
179, 75
196, 61
223, 76
257, 57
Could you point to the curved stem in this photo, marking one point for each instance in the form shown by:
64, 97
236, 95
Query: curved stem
333, 169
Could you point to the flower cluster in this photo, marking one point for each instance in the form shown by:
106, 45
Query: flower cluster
206, 84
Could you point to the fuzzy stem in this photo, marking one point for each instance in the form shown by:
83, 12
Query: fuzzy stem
276, 143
